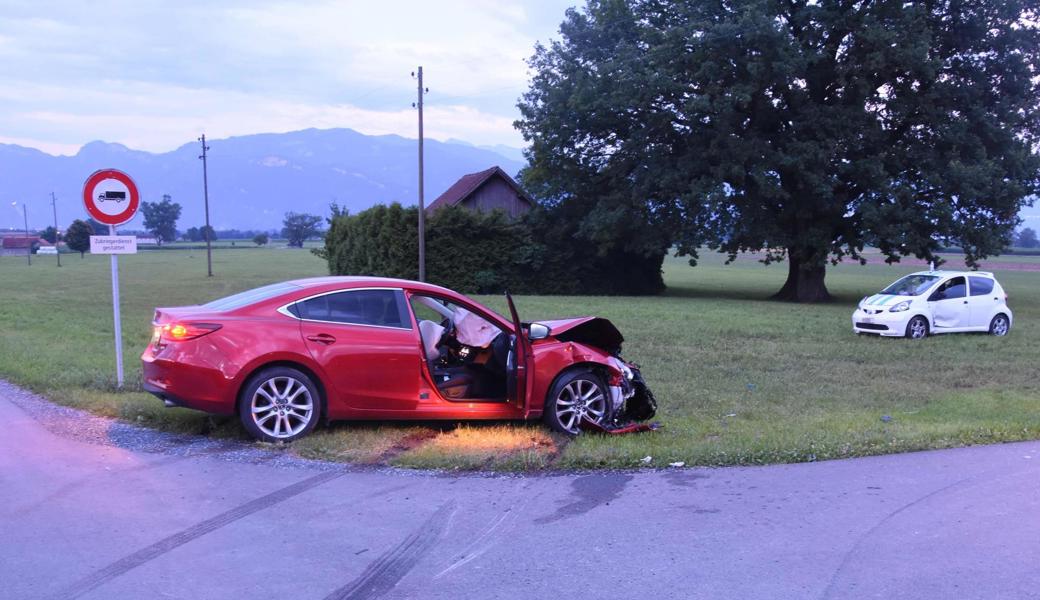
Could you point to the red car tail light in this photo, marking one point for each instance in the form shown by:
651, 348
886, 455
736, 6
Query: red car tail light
182, 332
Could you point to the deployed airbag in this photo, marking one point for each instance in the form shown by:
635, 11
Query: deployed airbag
473, 330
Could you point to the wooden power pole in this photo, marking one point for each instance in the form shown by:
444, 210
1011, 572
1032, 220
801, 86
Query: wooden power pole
208, 233
422, 206
57, 235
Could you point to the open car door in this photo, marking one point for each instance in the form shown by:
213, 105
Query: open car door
519, 358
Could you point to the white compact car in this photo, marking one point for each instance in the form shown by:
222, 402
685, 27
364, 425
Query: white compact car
931, 302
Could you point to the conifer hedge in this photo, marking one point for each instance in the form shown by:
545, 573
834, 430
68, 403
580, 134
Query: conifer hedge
484, 253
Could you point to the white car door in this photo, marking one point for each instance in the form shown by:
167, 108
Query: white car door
949, 304
982, 300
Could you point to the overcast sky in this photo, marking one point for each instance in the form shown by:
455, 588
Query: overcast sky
154, 75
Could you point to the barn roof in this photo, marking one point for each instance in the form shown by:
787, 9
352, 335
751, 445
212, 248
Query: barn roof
468, 184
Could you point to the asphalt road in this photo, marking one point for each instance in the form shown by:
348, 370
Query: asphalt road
98, 520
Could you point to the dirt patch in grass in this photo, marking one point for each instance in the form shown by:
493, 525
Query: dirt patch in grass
485, 447
407, 444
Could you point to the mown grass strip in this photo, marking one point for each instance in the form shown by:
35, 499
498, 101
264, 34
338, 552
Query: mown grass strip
741, 380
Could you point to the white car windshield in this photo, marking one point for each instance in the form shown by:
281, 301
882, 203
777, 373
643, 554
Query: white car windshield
911, 285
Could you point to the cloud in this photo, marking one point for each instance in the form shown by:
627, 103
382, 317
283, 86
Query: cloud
151, 74
159, 118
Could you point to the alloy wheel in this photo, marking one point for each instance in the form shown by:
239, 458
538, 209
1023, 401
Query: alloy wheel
579, 399
282, 407
1000, 325
918, 328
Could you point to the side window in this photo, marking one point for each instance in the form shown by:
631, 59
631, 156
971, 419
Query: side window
980, 286
384, 308
954, 288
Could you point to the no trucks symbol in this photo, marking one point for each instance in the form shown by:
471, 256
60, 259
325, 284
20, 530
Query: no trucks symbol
110, 197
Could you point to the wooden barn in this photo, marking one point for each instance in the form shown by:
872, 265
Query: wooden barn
484, 192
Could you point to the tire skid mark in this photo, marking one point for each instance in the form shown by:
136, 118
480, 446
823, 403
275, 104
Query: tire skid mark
497, 527
480, 545
828, 592
165, 545
383, 574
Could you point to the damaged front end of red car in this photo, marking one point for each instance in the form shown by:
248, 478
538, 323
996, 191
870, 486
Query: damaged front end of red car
631, 399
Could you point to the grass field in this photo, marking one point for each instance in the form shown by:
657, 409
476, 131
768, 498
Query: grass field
740, 380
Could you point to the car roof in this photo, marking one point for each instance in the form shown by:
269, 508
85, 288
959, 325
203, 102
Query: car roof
952, 273
355, 281
333, 282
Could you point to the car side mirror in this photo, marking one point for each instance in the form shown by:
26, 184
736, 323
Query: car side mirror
537, 331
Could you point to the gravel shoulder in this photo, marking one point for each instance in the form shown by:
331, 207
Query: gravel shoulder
82, 426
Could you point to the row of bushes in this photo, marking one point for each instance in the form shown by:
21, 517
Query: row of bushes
485, 252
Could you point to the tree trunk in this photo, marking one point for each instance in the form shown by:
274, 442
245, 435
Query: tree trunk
804, 284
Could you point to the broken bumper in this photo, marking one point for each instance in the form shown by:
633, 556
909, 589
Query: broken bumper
633, 401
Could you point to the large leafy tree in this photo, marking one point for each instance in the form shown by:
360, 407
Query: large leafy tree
798, 129
1027, 239
77, 236
50, 234
97, 227
298, 227
160, 219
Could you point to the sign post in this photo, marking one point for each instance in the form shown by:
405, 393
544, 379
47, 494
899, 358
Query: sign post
111, 198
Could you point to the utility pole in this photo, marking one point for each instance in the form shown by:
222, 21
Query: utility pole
28, 244
422, 206
57, 235
205, 194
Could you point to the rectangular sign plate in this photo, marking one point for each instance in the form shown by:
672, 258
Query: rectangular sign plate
113, 244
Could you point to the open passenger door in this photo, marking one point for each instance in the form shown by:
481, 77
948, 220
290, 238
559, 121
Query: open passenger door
519, 358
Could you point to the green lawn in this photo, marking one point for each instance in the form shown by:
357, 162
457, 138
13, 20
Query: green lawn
740, 380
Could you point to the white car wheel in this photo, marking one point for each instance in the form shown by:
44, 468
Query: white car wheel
917, 328
999, 325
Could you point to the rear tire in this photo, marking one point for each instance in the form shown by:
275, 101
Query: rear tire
917, 328
1000, 325
577, 394
279, 404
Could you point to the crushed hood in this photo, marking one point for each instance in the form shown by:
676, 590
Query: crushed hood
592, 331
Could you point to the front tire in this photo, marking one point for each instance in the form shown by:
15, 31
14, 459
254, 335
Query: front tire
1000, 325
576, 395
279, 404
917, 328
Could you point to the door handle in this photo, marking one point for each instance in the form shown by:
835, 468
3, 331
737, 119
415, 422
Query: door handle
965, 301
322, 338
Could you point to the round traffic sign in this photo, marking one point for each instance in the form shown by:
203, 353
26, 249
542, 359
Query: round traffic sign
110, 197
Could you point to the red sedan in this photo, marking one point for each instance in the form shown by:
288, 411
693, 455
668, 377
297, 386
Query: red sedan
286, 355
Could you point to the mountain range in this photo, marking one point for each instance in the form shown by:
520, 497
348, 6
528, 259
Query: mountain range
253, 180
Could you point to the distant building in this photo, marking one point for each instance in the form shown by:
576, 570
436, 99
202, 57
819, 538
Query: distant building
484, 192
16, 245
